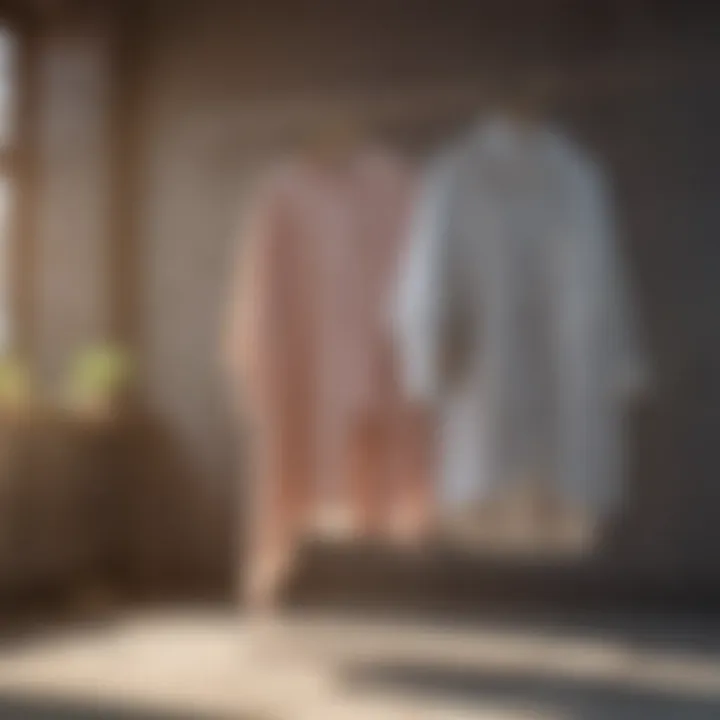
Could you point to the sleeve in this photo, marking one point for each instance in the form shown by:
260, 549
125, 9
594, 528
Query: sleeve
630, 368
420, 297
251, 323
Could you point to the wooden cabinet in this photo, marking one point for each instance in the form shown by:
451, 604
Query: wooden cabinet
57, 502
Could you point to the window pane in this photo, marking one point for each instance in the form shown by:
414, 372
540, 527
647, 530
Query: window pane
6, 196
8, 67
8, 87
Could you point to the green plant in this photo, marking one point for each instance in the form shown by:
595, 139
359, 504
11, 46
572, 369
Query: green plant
16, 386
98, 374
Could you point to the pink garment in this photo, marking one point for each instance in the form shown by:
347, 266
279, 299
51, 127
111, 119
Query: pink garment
309, 346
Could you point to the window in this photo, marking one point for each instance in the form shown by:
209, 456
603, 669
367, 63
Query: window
8, 137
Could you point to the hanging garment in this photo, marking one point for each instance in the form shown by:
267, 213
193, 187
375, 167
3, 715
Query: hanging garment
331, 433
512, 316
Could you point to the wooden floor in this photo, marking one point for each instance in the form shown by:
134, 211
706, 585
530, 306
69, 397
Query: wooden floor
205, 664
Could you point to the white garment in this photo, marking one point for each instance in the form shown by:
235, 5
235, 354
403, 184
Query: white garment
513, 317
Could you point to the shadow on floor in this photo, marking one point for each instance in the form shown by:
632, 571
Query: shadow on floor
25, 707
568, 698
